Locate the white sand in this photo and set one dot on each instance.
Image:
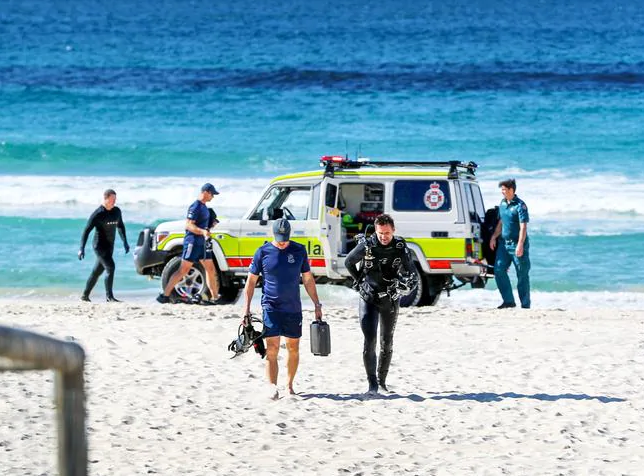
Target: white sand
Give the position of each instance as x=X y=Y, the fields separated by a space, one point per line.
x=476 y=391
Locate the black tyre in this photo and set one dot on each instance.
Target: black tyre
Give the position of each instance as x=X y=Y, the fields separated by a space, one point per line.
x=229 y=293
x=191 y=285
x=433 y=289
x=414 y=299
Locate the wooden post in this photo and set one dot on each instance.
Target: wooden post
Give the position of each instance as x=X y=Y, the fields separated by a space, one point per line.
x=72 y=439
x=30 y=351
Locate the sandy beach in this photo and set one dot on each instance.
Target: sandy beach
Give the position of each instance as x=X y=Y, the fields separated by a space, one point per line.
x=474 y=391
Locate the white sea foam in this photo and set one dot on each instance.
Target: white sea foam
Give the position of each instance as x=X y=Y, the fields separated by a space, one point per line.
x=560 y=202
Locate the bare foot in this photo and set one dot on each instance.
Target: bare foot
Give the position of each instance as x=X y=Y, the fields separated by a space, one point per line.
x=291 y=391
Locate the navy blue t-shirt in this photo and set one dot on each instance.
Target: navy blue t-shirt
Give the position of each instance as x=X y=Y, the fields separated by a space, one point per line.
x=200 y=214
x=281 y=270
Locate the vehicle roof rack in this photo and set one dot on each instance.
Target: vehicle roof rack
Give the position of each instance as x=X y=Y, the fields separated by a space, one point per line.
x=331 y=163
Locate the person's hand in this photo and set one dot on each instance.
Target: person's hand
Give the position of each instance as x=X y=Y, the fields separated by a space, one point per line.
x=81 y=254
x=206 y=233
x=246 y=318
x=318 y=312
x=127 y=248
x=519 y=250
x=492 y=243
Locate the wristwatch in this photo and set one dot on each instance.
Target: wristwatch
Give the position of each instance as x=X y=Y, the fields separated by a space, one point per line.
x=319 y=304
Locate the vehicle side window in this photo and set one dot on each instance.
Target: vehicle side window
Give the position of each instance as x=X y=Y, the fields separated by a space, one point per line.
x=478 y=201
x=422 y=196
x=331 y=193
x=283 y=202
x=470 y=203
x=296 y=204
x=315 y=202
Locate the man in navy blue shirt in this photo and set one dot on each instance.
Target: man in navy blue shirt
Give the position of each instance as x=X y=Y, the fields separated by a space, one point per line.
x=194 y=243
x=513 y=247
x=281 y=263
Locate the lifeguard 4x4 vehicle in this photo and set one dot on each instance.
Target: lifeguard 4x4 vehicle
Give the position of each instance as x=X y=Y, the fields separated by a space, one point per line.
x=437 y=207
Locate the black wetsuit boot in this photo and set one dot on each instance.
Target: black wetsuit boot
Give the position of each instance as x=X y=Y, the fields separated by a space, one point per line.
x=383 y=369
x=388 y=311
x=369 y=325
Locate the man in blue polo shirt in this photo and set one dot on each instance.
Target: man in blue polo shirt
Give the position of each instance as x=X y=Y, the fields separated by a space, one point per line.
x=194 y=244
x=281 y=263
x=512 y=247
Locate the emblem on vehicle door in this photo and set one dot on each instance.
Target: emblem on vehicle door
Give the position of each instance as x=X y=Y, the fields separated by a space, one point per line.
x=434 y=197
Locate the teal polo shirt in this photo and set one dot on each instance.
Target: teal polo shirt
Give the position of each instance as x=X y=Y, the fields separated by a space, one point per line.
x=512 y=213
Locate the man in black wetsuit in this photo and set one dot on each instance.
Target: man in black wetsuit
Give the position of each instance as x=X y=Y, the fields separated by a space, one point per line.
x=105 y=220
x=386 y=273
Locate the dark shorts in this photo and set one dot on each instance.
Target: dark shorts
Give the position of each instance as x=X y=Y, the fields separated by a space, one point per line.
x=193 y=252
x=278 y=323
x=209 y=254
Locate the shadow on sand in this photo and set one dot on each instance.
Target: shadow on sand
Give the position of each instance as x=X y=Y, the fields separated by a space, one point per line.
x=477 y=397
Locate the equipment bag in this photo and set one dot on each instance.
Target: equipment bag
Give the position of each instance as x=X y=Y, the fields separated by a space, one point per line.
x=320 y=338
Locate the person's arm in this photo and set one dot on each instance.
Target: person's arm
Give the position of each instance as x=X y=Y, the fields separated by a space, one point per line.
x=88 y=228
x=354 y=257
x=309 y=285
x=121 y=227
x=495 y=235
x=254 y=270
x=523 y=233
x=524 y=218
x=408 y=261
x=192 y=227
x=249 y=290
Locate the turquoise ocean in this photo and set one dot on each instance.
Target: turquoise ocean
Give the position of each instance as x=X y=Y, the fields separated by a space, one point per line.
x=154 y=98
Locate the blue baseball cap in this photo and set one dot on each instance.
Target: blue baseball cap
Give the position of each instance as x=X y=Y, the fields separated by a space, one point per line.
x=281 y=229
x=210 y=188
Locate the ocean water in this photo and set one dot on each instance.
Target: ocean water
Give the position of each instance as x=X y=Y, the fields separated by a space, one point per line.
x=154 y=98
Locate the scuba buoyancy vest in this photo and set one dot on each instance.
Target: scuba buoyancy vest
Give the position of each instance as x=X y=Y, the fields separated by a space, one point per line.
x=247 y=337
x=385 y=270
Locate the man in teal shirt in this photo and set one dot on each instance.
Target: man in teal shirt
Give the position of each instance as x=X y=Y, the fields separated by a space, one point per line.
x=512 y=247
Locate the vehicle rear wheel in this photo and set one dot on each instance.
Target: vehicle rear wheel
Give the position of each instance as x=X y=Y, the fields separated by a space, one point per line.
x=191 y=285
x=229 y=293
x=433 y=289
x=414 y=299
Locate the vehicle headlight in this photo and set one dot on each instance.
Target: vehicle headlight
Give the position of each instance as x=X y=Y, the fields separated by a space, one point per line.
x=160 y=236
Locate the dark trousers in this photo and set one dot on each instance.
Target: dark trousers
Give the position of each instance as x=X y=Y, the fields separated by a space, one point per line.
x=506 y=256
x=104 y=262
x=385 y=313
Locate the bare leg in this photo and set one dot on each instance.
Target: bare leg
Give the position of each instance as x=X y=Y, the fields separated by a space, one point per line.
x=176 y=277
x=212 y=281
x=293 y=347
x=272 y=349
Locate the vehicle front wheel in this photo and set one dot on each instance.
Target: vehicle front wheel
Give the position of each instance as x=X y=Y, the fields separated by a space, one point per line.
x=191 y=285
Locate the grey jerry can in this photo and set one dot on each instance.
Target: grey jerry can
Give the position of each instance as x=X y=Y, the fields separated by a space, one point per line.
x=320 y=338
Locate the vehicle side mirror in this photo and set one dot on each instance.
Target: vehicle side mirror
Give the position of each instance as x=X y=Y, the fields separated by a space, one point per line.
x=264 y=219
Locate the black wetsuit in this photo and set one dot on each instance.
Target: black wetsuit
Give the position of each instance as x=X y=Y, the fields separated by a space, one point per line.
x=387 y=263
x=105 y=222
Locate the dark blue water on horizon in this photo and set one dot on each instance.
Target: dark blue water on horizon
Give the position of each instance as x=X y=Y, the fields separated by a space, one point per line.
x=152 y=98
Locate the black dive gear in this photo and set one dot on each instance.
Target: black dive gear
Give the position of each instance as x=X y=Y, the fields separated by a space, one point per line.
x=247 y=336
x=104 y=222
x=387 y=272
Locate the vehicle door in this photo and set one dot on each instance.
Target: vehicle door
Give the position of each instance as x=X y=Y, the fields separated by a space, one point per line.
x=279 y=201
x=330 y=226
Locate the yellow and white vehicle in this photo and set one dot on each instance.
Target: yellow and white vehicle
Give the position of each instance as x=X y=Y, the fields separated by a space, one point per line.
x=437 y=207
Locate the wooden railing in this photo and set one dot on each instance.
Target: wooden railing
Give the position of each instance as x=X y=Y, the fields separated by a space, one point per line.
x=23 y=350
